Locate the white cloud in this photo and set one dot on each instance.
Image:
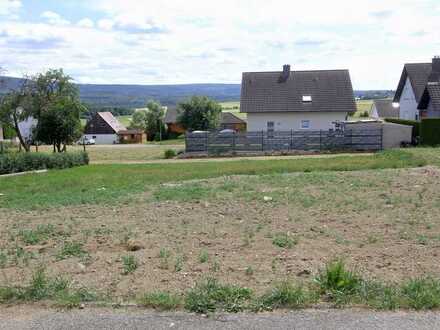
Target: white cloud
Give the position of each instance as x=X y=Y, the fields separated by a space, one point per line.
x=106 y=24
x=9 y=7
x=86 y=23
x=54 y=18
x=185 y=41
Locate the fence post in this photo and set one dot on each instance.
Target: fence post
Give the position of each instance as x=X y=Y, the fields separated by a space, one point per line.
x=207 y=142
x=351 y=139
x=381 y=137
x=291 y=139
x=233 y=142
x=320 y=139
x=262 y=140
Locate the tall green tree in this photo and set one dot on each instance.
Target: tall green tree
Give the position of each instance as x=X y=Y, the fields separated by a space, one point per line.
x=12 y=112
x=151 y=120
x=199 y=113
x=139 y=120
x=49 y=98
x=155 y=117
x=59 y=124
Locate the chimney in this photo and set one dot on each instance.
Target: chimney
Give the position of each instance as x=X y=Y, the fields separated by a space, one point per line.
x=435 y=73
x=285 y=74
x=436 y=64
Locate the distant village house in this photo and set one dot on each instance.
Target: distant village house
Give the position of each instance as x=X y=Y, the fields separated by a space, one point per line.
x=227 y=121
x=418 y=92
x=104 y=128
x=384 y=109
x=296 y=100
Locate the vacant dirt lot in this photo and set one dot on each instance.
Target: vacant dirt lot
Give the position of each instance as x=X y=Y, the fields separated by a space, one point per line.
x=384 y=223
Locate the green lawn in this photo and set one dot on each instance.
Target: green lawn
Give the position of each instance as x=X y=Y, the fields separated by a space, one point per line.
x=107 y=183
x=125 y=120
x=233 y=107
x=362 y=106
x=122 y=153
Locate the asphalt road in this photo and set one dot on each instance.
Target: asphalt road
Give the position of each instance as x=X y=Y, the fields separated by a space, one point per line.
x=25 y=318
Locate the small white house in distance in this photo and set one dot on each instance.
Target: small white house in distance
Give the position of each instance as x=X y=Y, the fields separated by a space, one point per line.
x=26 y=128
x=296 y=100
x=103 y=127
x=415 y=81
x=384 y=109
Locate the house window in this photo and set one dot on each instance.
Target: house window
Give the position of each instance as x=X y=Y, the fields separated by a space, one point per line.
x=305 y=124
x=270 y=128
x=307 y=98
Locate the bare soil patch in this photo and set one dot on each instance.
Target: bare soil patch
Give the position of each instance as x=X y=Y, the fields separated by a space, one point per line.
x=383 y=223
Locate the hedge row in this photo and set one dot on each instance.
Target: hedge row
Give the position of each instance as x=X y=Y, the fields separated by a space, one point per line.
x=31 y=161
x=414 y=123
x=430 y=131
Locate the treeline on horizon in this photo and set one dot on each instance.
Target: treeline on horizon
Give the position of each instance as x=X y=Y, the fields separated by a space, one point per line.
x=122 y=99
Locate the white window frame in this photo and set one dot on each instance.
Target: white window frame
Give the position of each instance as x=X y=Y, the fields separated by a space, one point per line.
x=303 y=122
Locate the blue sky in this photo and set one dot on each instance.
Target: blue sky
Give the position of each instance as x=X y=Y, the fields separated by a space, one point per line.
x=199 y=41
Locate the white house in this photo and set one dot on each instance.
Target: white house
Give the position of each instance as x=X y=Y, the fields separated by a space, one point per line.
x=414 y=82
x=296 y=100
x=26 y=128
x=103 y=127
x=384 y=109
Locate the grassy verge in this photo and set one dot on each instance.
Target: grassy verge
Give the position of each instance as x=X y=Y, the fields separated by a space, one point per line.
x=108 y=183
x=334 y=285
x=42 y=287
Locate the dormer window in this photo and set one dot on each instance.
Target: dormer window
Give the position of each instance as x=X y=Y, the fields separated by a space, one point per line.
x=307 y=98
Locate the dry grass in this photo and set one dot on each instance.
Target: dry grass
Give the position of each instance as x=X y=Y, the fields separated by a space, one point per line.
x=384 y=223
x=122 y=153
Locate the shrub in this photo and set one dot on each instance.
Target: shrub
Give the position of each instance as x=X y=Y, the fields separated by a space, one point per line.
x=38 y=235
x=71 y=249
x=414 y=123
x=364 y=114
x=42 y=287
x=336 y=279
x=160 y=301
x=209 y=295
x=422 y=293
x=30 y=161
x=130 y=264
x=284 y=241
x=169 y=153
x=429 y=131
x=203 y=256
x=285 y=295
x=378 y=295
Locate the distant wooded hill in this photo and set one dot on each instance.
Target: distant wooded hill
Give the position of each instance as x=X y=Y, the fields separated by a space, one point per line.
x=136 y=96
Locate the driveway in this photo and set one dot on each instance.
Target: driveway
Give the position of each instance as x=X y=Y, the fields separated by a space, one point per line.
x=29 y=318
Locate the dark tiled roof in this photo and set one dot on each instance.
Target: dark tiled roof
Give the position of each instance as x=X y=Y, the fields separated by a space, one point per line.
x=431 y=93
x=171 y=116
x=226 y=117
x=229 y=118
x=418 y=74
x=112 y=121
x=385 y=109
x=330 y=91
